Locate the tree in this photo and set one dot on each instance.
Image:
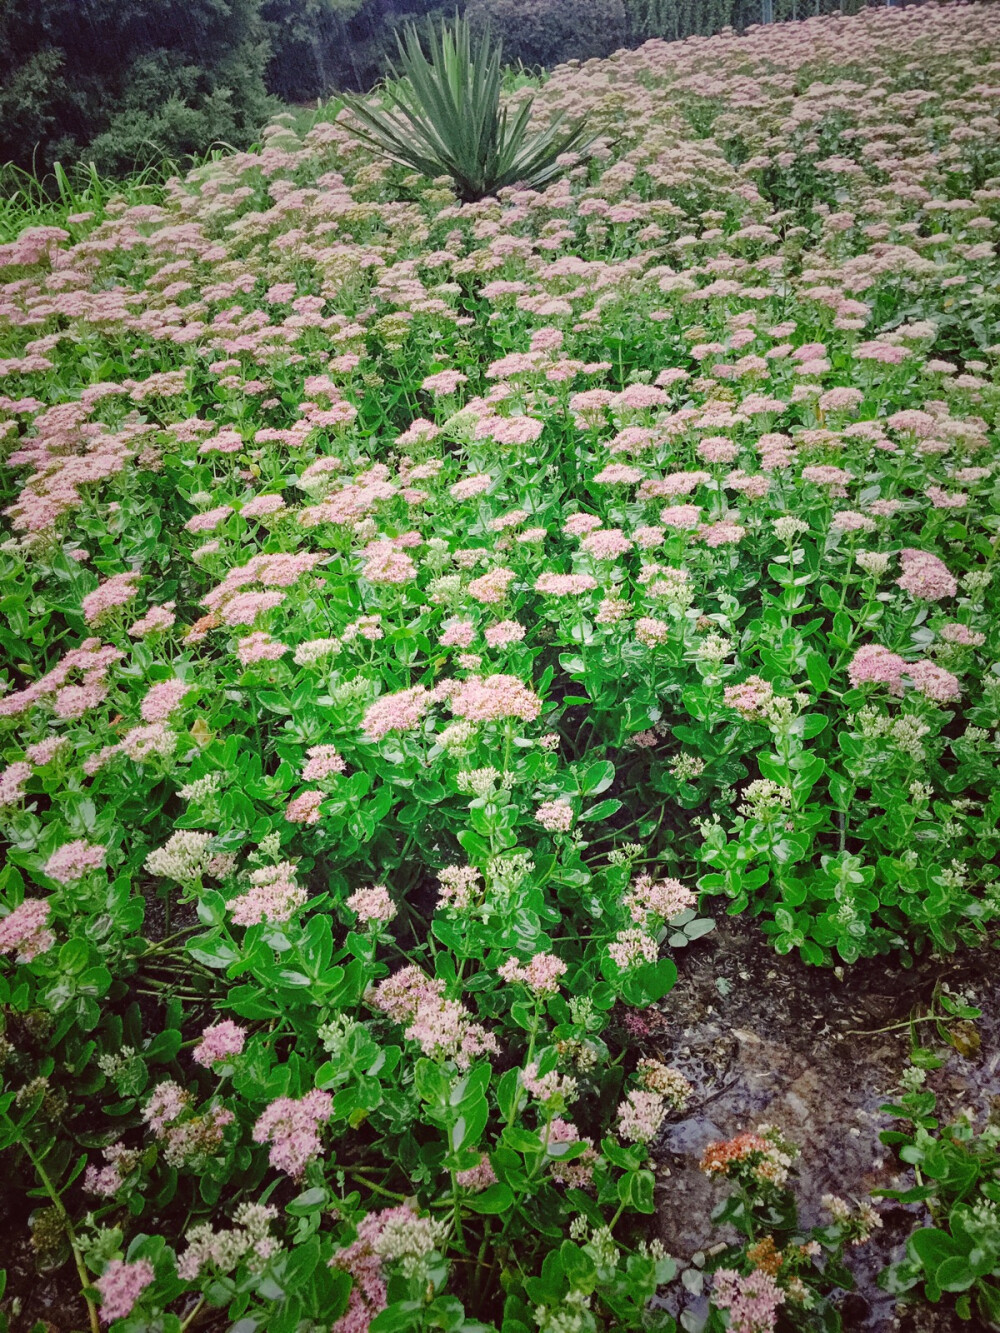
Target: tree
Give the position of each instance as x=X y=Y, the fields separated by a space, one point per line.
x=127 y=82
x=547 y=32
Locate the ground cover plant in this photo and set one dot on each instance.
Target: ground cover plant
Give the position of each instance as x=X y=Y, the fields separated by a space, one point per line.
x=420 y=617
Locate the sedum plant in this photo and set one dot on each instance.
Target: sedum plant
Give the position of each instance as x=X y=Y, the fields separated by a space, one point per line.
x=443 y=117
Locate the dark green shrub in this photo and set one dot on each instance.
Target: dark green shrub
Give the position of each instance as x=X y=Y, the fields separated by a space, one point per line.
x=547 y=32
x=128 y=82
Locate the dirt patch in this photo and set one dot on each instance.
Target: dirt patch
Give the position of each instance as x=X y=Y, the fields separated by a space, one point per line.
x=768 y=1039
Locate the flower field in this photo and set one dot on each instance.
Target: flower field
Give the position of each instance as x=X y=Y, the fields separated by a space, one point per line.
x=422 y=619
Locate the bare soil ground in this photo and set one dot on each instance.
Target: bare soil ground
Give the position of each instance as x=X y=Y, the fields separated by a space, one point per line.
x=768 y=1039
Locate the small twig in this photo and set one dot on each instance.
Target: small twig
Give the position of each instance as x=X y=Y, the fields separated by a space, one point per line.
x=893 y=1027
x=192 y=1316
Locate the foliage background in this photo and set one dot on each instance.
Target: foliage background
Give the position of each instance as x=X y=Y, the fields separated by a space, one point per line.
x=128 y=83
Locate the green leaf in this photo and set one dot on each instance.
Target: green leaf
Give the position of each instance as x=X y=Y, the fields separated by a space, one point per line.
x=602 y=810
x=497 y=1198
x=597 y=778
x=931 y=1247
x=818 y=670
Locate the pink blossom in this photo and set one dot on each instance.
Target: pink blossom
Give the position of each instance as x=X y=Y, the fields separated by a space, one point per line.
x=664 y=898
x=925 y=576
x=632 y=948
x=506 y=631
x=219 y=1042
x=274 y=896
x=751 y=698
x=640 y=1115
x=841 y=399
x=43 y=752
x=618 y=474
x=74 y=860
x=849 y=520
x=752 y=1301
x=651 y=632
x=113 y=592
x=875 y=665
x=477 y=1178
x=912 y=421
x=324 y=762
x=167 y=1103
x=565 y=585
x=933 y=682
x=156 y=620
x=942 y=499
x=490 y=698
x=556 y=816
x=396 y=712
x=445 y=381
x=304 y=808
x=681 y=516
x=717 y=451
x=516 y=430
x=962 y=635
x=721 y=534
x=262 y=506
x=579 y=1172
x=209 y=520
x=120 y=1286
x=578 y=525
x=291 y=1127
x=492 y=586
x=246 y=607
x=163 y=699
x=457 y=634
x=385 y=564
x=12 y=782
x=26 y=930
x=471 y=486
x=540 y=974
x=400 y=995
x=825 y=475
x=260 y=647
x=372 y=904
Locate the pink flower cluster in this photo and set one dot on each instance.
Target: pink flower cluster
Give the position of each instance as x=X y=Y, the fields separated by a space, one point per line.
x=323 y=762
x=221 y=1041
x=665 y=898
x=491 y=698
x=555 y=816
x=74 y=860
x=565 y=585
x=751 y=698
x=163 y=699
x=640 y=1115
x=396 y=712
x=540 y=974
x=752 y=1300
x=274 y=896
x=26 y=930
x=441 y=1027
x=13 y=780
x=372 y=904
x=291 y=1126
x=578 y=1172
x=304 y=808
x=925 y=576
x=121 y=1285
x=112 y=593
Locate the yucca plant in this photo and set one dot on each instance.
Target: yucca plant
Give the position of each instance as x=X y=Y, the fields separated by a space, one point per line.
x=442 y=116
